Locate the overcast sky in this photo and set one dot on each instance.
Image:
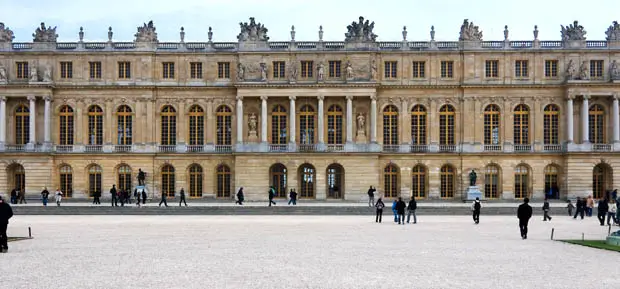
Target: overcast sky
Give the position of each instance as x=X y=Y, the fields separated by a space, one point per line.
x=24 y=16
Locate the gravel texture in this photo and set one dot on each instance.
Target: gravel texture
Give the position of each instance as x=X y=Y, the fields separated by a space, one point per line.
x=301 y=252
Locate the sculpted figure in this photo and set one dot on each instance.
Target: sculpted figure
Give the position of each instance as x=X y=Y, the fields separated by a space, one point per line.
x=584 y=73
x=252 y=122
x=373 y=69
x=349 y=70
x=34 y=76
x=293 y=71
x=321 y=70
x=263 y=72
x=472 y=178
x=47 y=74
x=570 y=70
x=3 y=77
x=361 y=122
x=240 y=72
x=614 y=72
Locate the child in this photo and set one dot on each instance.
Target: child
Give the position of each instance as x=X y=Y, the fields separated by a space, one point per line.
x=570 y=207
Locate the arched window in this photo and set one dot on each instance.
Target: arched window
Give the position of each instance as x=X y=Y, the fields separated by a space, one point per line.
x=223 y=181
x=124 y=178
x=390 y=125
x=596 y=122
x=418 y=177
x=491 y=182
x=446 y=125
x=18 y=174
x=95 y=125
x=447 y=182
x=195 y=181
x=335 y=181
x=278 y=125
x=551 y=125
x=65 y=126
x=223 y=123
x=196 y=126
x=418 y=125
x=521 y=125
x=167 y=180
x=334 y=125
x=94 y=180
x=522 y=180
x=277 y=175
x=391 y=185
x=306 y=124
x=601 y=180
x=168 y=126
x=66 y=181
x=307 y=181
x=491 y=125
x=124 y=125
x=22 y=125
x=552 y=188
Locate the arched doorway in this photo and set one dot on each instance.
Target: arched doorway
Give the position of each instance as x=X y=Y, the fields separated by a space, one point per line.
x=335 y=182
x=492 y=182
x=277 y=175
x=447 y=182
x=223 y=185
x=418 y=184
x=195 y=181
x=94 y=180
x=307 y=181
x=16 y=178
x=391 y=184
x=552 y=187
x=601 y=180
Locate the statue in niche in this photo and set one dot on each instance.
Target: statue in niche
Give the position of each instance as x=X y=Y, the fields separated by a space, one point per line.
x=584 y=73
x=614 y=72
x=293 y=72
x=373 y=69
x=240 y=72
x=3 y=76
x=349 y=70
x=361 y=123
x=321 y=71
x=34 y=75
x=472 y=178
x=571 y=70
x=263 y=72
x=47 y=74
x=252 y=123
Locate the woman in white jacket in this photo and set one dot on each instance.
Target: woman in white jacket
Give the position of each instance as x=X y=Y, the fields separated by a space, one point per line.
x=58 y=195
x=611 y=212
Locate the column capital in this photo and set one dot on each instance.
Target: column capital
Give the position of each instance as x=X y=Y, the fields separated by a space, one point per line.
x=264 y=98
x=320 y=97
x=31 y=98
x=615 y=96
x=47 y=98
x=587 y=96
x=373 y=97
x=349 y=97
x=3 y=98
x=292 y=97
x=570 y=97
x=239 y=98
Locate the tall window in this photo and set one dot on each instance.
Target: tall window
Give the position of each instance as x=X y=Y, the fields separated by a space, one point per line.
x=19 y=177
x=601 y=180
x=390 y=181
x=306 y=124
x=521 y=68
x=596 y=68
x=223 y=70
x=596 y=121
x=94 y=69
x=124 y=178
x=552 y=188
x=223 y=123
x=521 y=125
x=491 y=125
x=168 y=125
x=447 y=181
x=66 y=69
x=65 y=125
x=334 y=68
x=306 y=69
x=551 y=68
x=335 y=181
x=66 y=181
x=491 y=182
x=95 y=125
x=390 y=125
x=279 y=70
x=22 y=124
x=446 y=125
x=196 y=126
x=418 y=68
x=94 y=180
x=521 y=182
x=21 y=70
x=390 y=69
x=168 y=70
x=277 y=174
x=334 y=125
x=195 y=181
x=223 y=181
x=551 y=124
x=278 y=125
x=167 y=180
x=195 y=70
x=307 y=181
x=491 y=69
x=418 y=125
x=124 y=125
x=418 y=177
x=447 y=69
x=124 y=70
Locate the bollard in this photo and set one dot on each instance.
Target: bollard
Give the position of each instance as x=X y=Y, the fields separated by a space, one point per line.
x=582 y=237
x=29 y=233
x=609 y=231
x=552 y=230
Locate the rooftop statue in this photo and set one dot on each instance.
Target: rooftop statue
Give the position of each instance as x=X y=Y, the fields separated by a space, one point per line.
x=613 y=32
x=252 y=31
x=6 y=35
x=43 y=34
x=573 y=32
x=361 y=31
x=146 y=33
x=470 y=32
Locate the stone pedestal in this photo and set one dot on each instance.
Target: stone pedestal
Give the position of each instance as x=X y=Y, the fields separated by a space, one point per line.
x=473 y=192
x=361 y=137
x=253 y=136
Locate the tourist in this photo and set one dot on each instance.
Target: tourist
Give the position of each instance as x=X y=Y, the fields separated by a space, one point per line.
x=379 y=205
x=611 y=212
x=475 y=209
x=45 y=194
x=293 y=197
x=581 y=207
x=182 y=195
x=137 y=195
x=240 y=197
x=371 y=196
x=114 y=196
x=127 y=195
x=143 y=196
x=394 y=211
x=524 y=213
x=545 y=209
x=570 y=207
x=272 y=194
x=5 y=214
x=14 y=196
x=163 y=199
x=121 y=196
x=97 y=197
x=58 y=196
x=589 y=206
x=400 y=210
x=21 y=195
x=602 y=210
x=413 y=205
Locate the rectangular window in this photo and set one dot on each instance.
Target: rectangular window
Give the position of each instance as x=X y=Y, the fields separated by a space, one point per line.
x=521 y=68
x=279 y=70
x=22 y=70
x=334 y=69
x=124 y=70
x=66 y=69
x=223 y=70
x=306 y=69
x=596 y=68
x=447 y=69
x=390 y=69
x=168 y=70
x=551 y=68
x=490 y=69
x=95 y=69
x=195 y=70
x=418 y=69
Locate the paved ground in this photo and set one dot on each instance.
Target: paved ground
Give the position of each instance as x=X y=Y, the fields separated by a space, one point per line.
x=301 y=252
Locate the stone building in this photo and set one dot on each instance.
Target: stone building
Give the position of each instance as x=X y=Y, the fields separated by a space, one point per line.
x=327 y=118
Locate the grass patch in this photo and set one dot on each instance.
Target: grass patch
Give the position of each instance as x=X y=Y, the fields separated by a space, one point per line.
x=13 y=239
x=598 y=244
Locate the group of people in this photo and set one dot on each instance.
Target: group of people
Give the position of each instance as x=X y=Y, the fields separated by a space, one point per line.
x=398 y=209
x=271 y=194
x=608 y=208
x=45 y=194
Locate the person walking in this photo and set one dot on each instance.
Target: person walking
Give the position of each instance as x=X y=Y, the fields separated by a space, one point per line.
x=371 y=196
x=114 y=196
x=138 y=196
x=379 y=205
x=400 y=210
x=293 y=197
x=545 y=209
x=611 y=212
x=603 y=208
x=58 y=195
x=21 y=195
x=580 y=206
x=272 y=194
x=182 y=200
x=240 y=197
x=413 y=205
x=143 y=196
x=14 y=196
x=45 y=194
x=97 y=197
x=569 y=207
x=394 y=203
x=121 y=196
x=163 y=199
x=5 y=214
x=475 y=209
x=589 y=206
x=524 y=213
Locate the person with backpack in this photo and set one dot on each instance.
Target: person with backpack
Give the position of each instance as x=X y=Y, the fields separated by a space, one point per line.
x=379 y=205
x=240 y=197
x=603 y=208
x=97 y=197
x=45 y=196
x=524 y=213
x=371 y=196
x=400 y=210
x=545 y=209
x=114 y=196
x=580 y=206
x=293 y=197
x=272 y=194
x=475 y=209
x=413 y=205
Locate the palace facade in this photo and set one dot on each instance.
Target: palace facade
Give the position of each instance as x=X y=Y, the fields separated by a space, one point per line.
x=327 y=118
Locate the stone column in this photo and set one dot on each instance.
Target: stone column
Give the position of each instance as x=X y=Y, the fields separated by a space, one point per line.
x=2 y=121
x=48 y=121
x=210 y=126
x=263 y=119
x=33 y=115
x=569 y=119
x=292 y=116
x=373 y=118
x=239 y=119
x=405 y=122
x=321 y=133
x=349 y=119
x=616 y=118
x=585 y=132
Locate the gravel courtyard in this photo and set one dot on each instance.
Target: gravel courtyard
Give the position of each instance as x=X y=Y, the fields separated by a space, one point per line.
x=301 y=252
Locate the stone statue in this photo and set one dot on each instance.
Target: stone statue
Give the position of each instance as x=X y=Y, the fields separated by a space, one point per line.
x=34 y=75
x=263 y=72
x=321 y=70
x=141 y=177
x=6 y=35
x=584 y=73
x=360 y=31
x=470 y=32
x=613 y=32
x=614 y=72
x=240 y=72
x=43 y=34
x=472 y=178
x=146 y=33
x=571 y=72
x=293 y=71
x=349 y=70
x=3 y=76
x=252 y=31
x=252 y=123
x=47 y=73
x=573 y=32
x=373 y=69
x=361 y=122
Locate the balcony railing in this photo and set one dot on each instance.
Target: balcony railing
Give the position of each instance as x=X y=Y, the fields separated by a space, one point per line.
x=93 y=148
x=307 y=147
x=64 y=148
x=122 y=148
x=450 y=148
x=492 y=148
x=278 y=147
x=335 y=148
x=15 y=148
x=167 y=148
x=552 y=147
x=223 y=148
x=601 y=147
x=523 y=148
x=391 y=148
x=195 y=148
x=418 y=148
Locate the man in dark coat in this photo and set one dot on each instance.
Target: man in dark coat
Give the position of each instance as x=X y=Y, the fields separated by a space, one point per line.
x=371 y=196
x=163 y=199
x=5 y=214
x=293 y=197
x=603 y=207
x=182 y=196
x=272 y=194
x=580 y=205
x=524 y=213
x=413 y=205
x=45 y=194
x=240 y=197
x=400 y=210
x=114 y=197
x=14 y=196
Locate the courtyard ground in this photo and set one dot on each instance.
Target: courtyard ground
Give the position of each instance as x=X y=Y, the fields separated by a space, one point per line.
x=301 y=252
